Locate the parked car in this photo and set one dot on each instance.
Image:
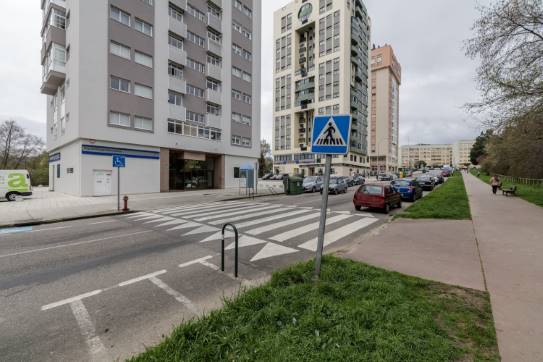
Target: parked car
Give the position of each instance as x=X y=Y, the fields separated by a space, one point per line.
x=14 y=183
x=379 y=196
x=350 y=181
x=267 y=176
x=426 y=182
x=439 y=179
x=359 y=180
x=384 y=177
x=312 y=183
x=446 y=173
x=279 y=176
x=408 y=188
x=337 y=185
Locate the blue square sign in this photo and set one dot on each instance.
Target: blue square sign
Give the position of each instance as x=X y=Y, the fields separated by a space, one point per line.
x=119 y=161
x=331 y=134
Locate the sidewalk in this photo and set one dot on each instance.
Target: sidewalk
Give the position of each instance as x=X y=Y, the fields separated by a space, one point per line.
x=45 y=206
x=510 y=235
x=507 y=233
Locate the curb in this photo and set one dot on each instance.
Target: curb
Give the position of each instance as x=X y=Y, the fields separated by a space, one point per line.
x=53 y=221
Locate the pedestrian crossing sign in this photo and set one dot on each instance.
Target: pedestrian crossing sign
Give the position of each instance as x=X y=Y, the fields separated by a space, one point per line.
x=331 y=134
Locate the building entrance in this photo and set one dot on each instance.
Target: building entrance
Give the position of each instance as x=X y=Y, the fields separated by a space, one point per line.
x=191 y=174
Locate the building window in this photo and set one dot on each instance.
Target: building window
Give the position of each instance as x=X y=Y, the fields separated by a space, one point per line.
x=247 y=98
x=241 y=141
x=175 y=13
x=286 y=23
x=143 y=123
x=282 y=128
x=283 y=90
x=198 y=40
x=237 y=95
x=118 y=15
x=247 y=77
x=242 y=30
x=213 y=85
x=119 y=119
x=175 y=70
x=216 y=37
x=195 y=91
x=283 y=53
x=214 y=109
x=197 y=66
x=143 y=91
x=119 y=50
x=236 y=172
x=196 y=13
x=329 y=34
x=58 y=170
x=148 y=2
x=214 y=60
x=241 y=119
x=192 y=130
x=119 y=84
x=175 y=98
x=329 y=79
x=325 y=5
x=57 y=18
x=143 y=59
x=175 y=41
x=243 y=8
x=195 y=117
x=143 y=27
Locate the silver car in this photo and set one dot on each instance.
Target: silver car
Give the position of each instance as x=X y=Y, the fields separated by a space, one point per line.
x=312 y=183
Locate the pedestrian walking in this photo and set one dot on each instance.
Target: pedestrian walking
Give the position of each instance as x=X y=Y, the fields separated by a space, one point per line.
x=495 y=183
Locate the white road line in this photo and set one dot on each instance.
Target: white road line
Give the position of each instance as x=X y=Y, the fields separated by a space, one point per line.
x=337 y=234
x=138 y=214
x=214 y=211
x=49 y=229
x=70 y=300
x=189 y=206
x=195 y=261
x=96 y=347
x=155 y=216
x=271 y=218
x=272 y=210
x=210 y=265
x=185 y=226
x=74 y=244
x=240 y=212
x=143 y=277
x=164 y=218
x=196 y=210
x=307 y=228
x=174 y=293
x=278 y=225
x=102 y=222
x=173 y=222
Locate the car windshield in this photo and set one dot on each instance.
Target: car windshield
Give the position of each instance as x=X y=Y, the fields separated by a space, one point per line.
x=310 y=179
x=402 y=183
x=372 y=190
x=424 y=178
x=333 y=181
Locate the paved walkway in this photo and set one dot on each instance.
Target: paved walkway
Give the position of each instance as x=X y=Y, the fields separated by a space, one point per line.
x=506 y=232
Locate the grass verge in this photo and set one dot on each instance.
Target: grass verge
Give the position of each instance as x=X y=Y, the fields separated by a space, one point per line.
x=533 y=194
x=449 y=201
x=354 y=313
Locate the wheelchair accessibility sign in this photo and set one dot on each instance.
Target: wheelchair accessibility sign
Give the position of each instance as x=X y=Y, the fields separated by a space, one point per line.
x=331 y=134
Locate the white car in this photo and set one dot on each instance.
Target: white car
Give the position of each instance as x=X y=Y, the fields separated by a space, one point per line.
x=15 y=183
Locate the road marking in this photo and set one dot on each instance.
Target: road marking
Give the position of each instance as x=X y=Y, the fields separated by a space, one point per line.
x=188 y=207
x=245 y=240
x=197 y=210
x=138 y=214
x=270 y=249
x=271 y=218
x=143 y=277
x=307 y=228
x=243 y=217
x=163 y=218
x=241 y=212
x=185 y=226
x=96 y=347
x=278 y=225
x=23 y=229
x=49 y=229
x=155 y=216
x=210 y=265
x=173 y=222
x=75 y=244
x=201 y=230
x=218 y=236
x=174 y=293
x=195 y=261
x=219 y=210
x=70 y=300
x=102 y=222
x=337 y=234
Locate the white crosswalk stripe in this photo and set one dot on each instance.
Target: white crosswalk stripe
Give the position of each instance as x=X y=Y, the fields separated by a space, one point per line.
x=233 y=213
x=207 y=211
x=307 y=228
x=252 y=215
x=197 y=207
x=270 y=218
x=278 y=225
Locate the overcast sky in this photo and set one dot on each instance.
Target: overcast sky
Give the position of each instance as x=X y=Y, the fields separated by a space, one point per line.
x=427 y=36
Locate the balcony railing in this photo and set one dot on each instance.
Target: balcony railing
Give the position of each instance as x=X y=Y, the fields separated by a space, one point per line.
x=214 y=22
x=54 y=69
x=178 y=84
x=213 y=71
x=178 y=27
x=213 y=96
x=178 y=55
x=214 y=47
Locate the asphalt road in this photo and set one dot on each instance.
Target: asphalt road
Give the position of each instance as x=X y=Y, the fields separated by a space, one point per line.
x=103 y=289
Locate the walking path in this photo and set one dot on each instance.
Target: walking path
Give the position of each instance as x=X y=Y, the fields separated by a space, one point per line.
x=501 y=250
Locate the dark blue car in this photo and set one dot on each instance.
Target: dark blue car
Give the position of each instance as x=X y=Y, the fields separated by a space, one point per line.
x=408 y=188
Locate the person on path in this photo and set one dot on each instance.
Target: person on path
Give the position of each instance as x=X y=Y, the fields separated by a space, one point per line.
x=495 y=183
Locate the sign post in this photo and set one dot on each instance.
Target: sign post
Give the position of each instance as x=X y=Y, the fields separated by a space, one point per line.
x=119 y=162
x=331 y=135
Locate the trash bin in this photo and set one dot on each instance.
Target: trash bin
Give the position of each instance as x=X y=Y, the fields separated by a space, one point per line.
x=294 y=185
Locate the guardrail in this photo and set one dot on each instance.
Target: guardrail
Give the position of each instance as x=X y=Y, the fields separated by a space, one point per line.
x=522 y=180
x=236 y=248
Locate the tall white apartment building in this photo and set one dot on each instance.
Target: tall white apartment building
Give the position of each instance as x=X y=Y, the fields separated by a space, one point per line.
x=321 y=66
x=172 y=85
x=461 y=153
x=435 y=155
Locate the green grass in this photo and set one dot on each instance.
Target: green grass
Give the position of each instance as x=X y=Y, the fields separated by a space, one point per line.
x=354 y=313
x=449 y=201
x=530 y=193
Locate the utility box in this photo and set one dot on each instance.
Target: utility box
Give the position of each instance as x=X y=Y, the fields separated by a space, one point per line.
x=293 y=185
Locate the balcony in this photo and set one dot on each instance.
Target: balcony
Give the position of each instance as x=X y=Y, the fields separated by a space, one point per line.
x=178 y=27
x=218 y=3
x=181 y=4
x=213 y=96
x=54 y=69
x=214 y=22
x=214 y=47
x=177 y=112
x=213 y=120
x=46 y=3
x=213 y=71
x=177 y=84
x=178 y=56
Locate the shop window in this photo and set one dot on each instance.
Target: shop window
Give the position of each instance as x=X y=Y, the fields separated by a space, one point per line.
x=236 y=172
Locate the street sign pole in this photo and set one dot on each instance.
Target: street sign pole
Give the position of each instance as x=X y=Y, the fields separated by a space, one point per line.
x=118 y=189
x=322 y=223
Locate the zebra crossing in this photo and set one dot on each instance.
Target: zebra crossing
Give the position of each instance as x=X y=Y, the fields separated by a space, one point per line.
x=277 y=229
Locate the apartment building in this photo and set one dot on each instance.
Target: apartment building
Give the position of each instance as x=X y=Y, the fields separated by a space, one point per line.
x=433 y=155
x=386 y=77
x=321 y=66
x=461 y=153
x=172 y=85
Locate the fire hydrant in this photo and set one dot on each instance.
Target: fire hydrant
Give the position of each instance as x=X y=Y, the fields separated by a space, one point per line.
x=125 y=199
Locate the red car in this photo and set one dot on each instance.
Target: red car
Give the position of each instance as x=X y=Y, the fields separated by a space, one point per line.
x=379 y=196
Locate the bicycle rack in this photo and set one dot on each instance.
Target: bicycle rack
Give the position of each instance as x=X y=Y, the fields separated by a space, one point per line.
x=236 y=247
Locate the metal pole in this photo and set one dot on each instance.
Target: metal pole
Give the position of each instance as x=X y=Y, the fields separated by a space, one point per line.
x=118 y=189
x=322 y=223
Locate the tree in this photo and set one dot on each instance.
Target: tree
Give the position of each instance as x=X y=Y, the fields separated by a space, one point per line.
x=508 y=42
x=16 y=146
x=420 y=164
x=478 y=151
x=265 y=161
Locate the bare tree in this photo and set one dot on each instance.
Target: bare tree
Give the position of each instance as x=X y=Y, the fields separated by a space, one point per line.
x=16 y=146
x=508 y=42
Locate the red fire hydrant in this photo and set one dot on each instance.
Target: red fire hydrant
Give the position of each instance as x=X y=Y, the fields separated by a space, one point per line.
x=125 y=199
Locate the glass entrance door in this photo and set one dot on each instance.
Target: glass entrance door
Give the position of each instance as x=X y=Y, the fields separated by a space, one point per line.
x=191 y=174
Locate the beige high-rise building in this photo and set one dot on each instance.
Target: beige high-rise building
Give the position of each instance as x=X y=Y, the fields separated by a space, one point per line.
x=461 y=153
x=321 y=67
x=432 y=155
x=386 y=77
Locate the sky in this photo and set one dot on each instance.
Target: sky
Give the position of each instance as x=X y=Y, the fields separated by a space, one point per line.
x=427 y=37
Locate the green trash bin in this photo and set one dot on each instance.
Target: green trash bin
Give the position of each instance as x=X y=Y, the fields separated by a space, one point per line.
x=295 y=185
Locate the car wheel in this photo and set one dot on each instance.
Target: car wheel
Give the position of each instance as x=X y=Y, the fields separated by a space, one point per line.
x=358 y=208
x=11 y=196
x=399 y=205
x=387 y=208
x=313 y=189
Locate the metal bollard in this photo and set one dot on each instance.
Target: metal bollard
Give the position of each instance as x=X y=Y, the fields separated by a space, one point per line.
x=125 y=199
x=236 y=249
